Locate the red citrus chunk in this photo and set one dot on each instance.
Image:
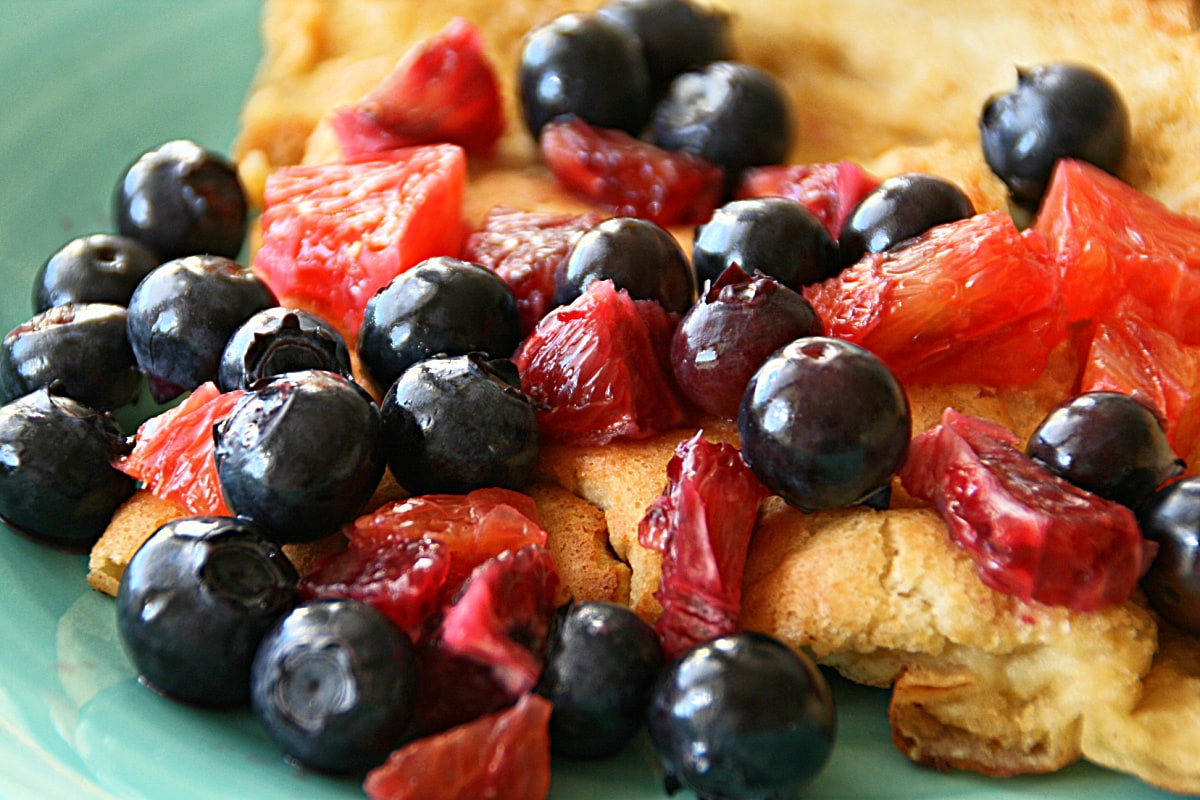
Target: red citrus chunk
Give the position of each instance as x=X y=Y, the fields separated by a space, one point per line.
x=599 y=370
x=702 y=523
x=973 y=301
x=503 y=756
x=527 y=249
x=173 y=452
x=443 y=90
x=830 y=190
x=1112 y=240
x=333 y=234
x=628 y=177
x=502 y=616
x=1031 y=534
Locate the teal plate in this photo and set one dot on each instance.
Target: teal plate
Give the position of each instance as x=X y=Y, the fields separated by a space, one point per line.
x=85 y=85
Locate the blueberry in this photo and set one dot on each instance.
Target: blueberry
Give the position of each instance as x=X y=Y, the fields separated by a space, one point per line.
x=676 y=35
x=1171 y=520
x=773 y=235
x=743 y=716
x=334 y=684
x=456 y=424
x=731 y=114
x=824 y=423
x=442 y=306
x=57 y=481
x=180 y=199
x=278 y=340
x=730 y=331
x=300 y=453
x=1107 y=443
x=901 y=208
x=194 y=602
x=84 y=347
x=601 y=663
x=587 y=66
x=98 y=268
x=636 y=255
x=1057 y=110
x=182 y=315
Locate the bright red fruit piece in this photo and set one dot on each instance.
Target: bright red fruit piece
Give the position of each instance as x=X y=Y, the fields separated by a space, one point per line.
x=830 y=190
x=443 y=90
x=502 y=617
x=173 y=452
x=599 y=368
x=526 y=249
x=1130 y=353
x=630 y=178
x=1031 y=534
x=973 y=301
x=1112 y=240
x=702 y=524
x=333 y=234
x=502 y=756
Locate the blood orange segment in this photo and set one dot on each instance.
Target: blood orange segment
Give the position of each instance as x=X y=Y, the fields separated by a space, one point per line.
x=702 y=523
x=830 y=190
x=1030 y=533
x=599 y=368
x=631 y=178
x=505 y=756
x=973 y=301
x=173 y=452
x=526 y=249
x=333 y=234
x=1112 y=240
x=443 y=90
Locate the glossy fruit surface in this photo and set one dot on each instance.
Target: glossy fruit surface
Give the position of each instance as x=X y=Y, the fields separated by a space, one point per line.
x=334 y=683
x=676 y=35
x=501 y=755
x=824 y=423
x=181 y=199
x=83 y=346
x=829 y=189
x=455 y=424
x=1172 y=583
x=974 y=301
x=442 y=306
x=1059 y=110
x=731 y=114
x=742 y=717
x=599 y=368
x=626 y=176
x=173 y=452
x=57 y=482
x=182 y=315
x=901 y=208
x=1112 y=241
x=601 y=661
x=587 y=66
x=278 y=340
x=526 y=249
x=194 y=602
x=638 y=256
x=1106 y=443
x=778 y=237
x=1058 y=544
x=443 y=90
x=333 y=234
x=701 y=523
x=730 y=331
x=300 y=453
x=96 y=268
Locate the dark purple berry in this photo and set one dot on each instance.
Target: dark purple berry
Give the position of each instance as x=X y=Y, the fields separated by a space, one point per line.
x=278 y=340
x=899 y=209
x=98 y=268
